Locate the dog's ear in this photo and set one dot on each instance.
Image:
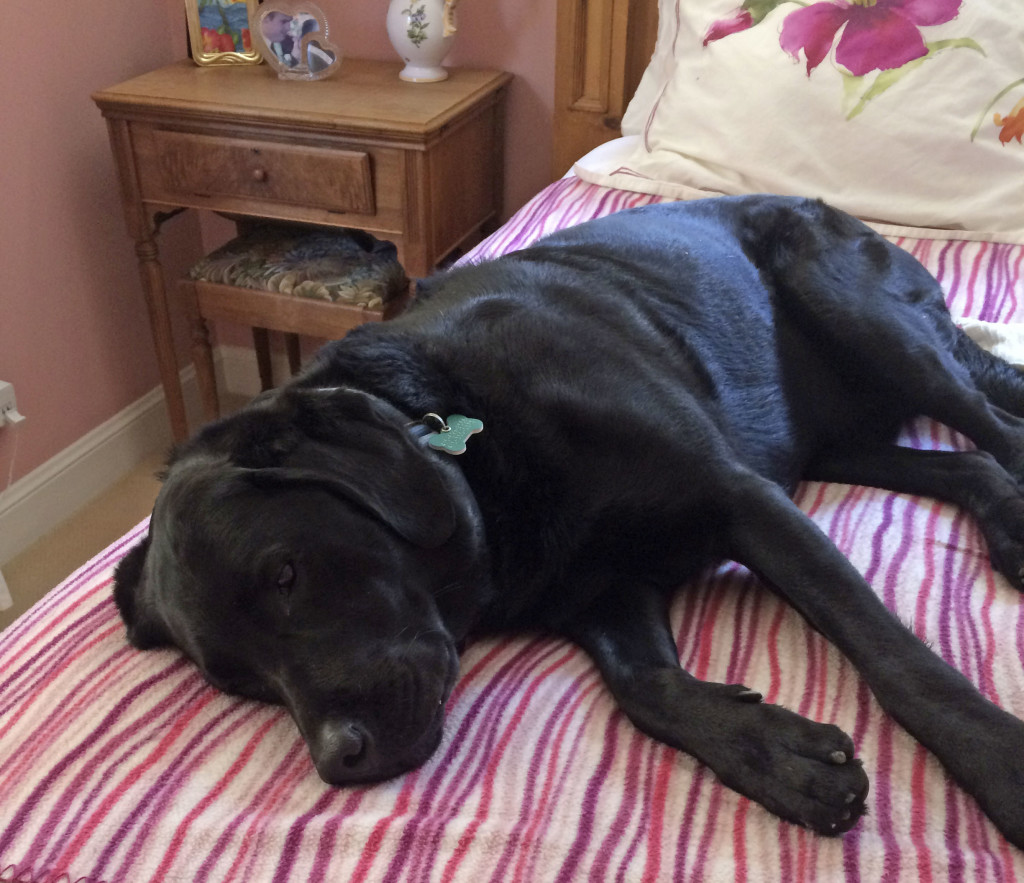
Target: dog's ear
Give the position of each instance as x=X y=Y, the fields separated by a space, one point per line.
x=130 y=595
x=257 y=436
x=357 y=447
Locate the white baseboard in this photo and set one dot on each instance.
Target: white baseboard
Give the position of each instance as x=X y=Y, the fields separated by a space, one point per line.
x=39 y=501
x=237 y=373
x=6 y=601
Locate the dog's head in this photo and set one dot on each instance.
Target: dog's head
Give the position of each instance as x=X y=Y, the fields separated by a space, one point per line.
x=306 y=551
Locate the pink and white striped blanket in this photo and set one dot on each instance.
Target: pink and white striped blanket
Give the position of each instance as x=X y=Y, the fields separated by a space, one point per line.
x=119 y=766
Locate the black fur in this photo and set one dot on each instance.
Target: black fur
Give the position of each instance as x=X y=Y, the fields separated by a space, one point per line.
x=652 y=385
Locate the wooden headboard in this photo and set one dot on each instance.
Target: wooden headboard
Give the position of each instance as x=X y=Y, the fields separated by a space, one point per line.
x=601 y=50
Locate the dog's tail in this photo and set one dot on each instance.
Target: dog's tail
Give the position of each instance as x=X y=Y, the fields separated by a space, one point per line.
x=1001 y=382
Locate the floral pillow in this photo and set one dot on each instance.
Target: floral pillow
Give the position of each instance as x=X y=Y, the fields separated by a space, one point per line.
x=902 y=112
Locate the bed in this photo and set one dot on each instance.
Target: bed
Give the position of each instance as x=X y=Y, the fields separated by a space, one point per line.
x=117 y=765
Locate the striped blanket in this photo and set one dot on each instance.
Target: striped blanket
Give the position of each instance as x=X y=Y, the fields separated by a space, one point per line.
x=118 y=766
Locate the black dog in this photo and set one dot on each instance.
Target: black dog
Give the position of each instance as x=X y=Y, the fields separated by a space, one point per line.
x=651 y=386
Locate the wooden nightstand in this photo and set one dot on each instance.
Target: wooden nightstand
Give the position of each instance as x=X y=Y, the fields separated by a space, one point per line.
x=418 y=164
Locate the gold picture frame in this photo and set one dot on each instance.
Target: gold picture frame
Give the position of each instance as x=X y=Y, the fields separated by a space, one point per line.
x=220 y=31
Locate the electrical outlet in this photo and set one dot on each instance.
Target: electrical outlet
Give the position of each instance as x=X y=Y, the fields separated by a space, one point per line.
x=8 y=406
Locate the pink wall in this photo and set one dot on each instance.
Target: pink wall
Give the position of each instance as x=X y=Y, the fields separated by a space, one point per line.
x=73 y=331
x=74 y=337
x=513 y=35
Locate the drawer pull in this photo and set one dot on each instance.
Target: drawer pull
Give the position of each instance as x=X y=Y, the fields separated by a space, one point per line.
x=259 y=175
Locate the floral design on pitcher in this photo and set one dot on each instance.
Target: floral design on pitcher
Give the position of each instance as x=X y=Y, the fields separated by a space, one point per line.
x=417 y=31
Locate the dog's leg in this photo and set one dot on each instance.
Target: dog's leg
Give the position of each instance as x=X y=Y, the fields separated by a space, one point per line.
x=941 y=393
x=908 y=360
x=978 y=743
x=901 y=354
x=999 y=380
x=972 y=480
x=800 y=770
x=874 y=310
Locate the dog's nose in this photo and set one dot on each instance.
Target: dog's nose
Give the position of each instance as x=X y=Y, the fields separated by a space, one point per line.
x=343 y=752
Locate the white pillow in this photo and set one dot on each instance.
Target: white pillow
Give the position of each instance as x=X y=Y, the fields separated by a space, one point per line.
x=934 y=141
x=656 y=75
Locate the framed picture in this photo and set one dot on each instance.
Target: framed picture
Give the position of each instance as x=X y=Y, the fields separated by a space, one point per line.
x=220 y=31
x=292 y=37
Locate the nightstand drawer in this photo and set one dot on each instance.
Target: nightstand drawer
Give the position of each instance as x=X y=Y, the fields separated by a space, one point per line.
x=193 y=165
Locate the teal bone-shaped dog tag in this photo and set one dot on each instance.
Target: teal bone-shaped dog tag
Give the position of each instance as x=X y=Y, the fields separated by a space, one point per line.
x=450 y=435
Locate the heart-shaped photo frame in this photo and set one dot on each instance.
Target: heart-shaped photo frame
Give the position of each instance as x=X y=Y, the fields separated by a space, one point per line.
x=293 y=39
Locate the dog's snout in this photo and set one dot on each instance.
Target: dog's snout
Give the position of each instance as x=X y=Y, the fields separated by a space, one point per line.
x=350 y=743
x=344 y=752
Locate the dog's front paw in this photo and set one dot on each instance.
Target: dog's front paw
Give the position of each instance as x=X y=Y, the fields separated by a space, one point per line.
x=802 y=771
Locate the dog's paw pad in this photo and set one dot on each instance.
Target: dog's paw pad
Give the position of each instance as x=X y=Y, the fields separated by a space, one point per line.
x=801 y=770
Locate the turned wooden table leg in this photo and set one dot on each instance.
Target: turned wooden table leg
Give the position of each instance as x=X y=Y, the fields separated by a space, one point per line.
x=264 y=364
x=202 y=350
x=163 y=337
x=294 y=350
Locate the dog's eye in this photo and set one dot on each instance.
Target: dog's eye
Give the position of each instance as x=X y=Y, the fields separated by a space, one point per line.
x=286 y=580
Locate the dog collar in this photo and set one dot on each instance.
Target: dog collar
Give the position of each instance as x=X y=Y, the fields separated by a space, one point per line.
x=449 y=435
x=431 y=430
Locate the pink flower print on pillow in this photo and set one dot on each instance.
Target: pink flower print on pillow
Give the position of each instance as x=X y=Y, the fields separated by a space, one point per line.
x=738 y=20
x=876 y=34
